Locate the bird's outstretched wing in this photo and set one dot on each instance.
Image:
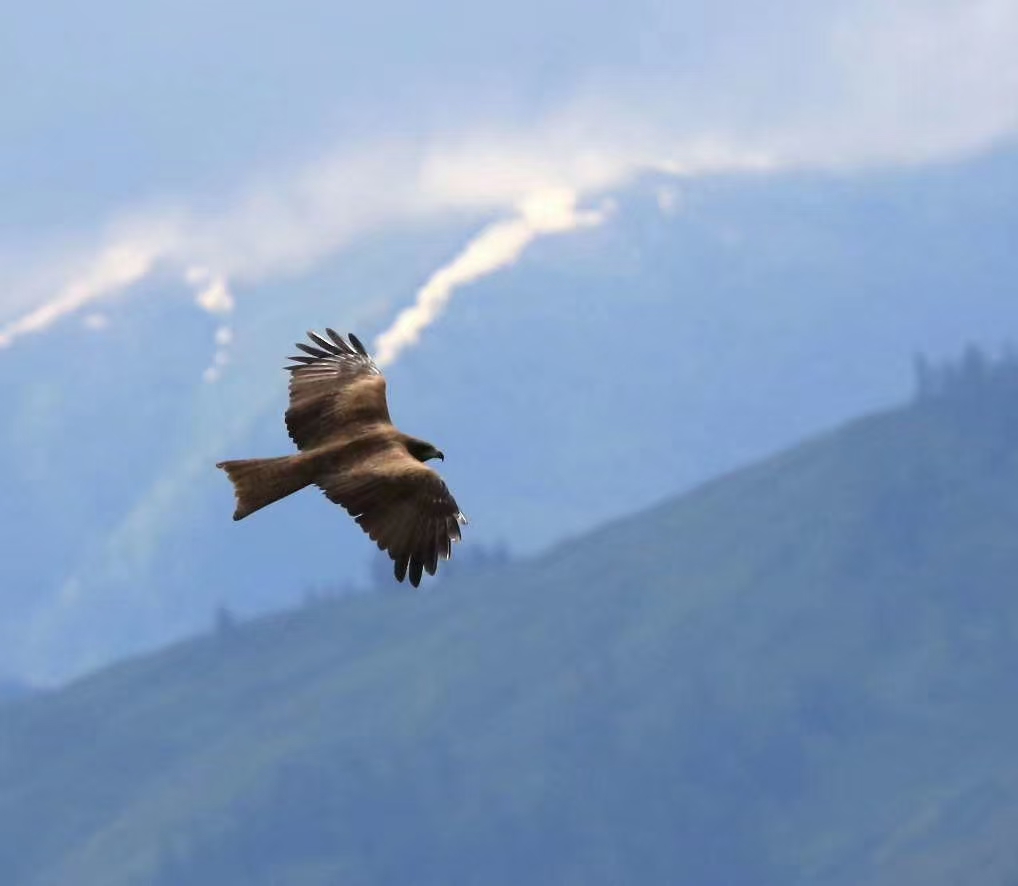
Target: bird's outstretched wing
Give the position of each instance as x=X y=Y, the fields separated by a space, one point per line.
x=404 y=506
x=334 y=385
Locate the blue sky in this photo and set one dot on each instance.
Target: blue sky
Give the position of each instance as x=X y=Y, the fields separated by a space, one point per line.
x=229 y=144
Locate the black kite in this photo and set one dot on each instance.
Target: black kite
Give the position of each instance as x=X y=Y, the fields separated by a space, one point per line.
x=349 y=448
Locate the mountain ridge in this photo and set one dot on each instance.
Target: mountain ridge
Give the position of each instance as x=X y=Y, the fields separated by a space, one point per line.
x=602 y=371
x=792 y=674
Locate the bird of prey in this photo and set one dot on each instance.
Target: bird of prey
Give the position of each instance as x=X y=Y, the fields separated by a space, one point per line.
x=350 y=449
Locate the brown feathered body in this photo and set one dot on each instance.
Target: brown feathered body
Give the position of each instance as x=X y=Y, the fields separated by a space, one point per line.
x=349 y=448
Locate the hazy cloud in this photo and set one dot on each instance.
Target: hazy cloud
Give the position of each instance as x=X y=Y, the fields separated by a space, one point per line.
x=96 y=322
x=221 y=357
x=213 y=294
x=496 y=246
x=114 y=268
x=729 y=88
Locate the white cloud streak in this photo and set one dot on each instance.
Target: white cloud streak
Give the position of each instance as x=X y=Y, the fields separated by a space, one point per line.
x=865 y=83
x=118 y=266
x=213 y=294
x=498 y=245
x=220 y=359
x=214 y=297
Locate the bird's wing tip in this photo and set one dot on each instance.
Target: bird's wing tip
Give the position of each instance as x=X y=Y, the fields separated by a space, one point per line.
x=356 y=342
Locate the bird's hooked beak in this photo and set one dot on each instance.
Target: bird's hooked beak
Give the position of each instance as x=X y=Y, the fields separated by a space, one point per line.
x=439 y=454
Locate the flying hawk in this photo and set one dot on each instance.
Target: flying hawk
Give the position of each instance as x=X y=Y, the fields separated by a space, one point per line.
x=351 y=450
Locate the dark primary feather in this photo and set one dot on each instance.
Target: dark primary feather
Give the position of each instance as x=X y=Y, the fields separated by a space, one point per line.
x=314 y=352
x=357 y=344
x=333 y=388
x=354 y=359
x=336 y=346
x=404 y=506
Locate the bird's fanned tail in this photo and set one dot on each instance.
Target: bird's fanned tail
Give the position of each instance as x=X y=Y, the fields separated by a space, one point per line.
x=258 y=482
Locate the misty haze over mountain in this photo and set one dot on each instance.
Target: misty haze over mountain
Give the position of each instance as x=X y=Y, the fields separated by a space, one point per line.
x=605 y=370
x=651 y=243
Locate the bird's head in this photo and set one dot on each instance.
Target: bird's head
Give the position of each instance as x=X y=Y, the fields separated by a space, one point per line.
x=422 y=450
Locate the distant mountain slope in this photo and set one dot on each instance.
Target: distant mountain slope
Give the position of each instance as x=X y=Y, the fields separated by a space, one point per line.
x=11 y=690
x=802 y=673
x=603 y=372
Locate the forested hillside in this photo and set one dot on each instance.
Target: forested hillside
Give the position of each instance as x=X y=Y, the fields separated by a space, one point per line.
x=800 y=673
